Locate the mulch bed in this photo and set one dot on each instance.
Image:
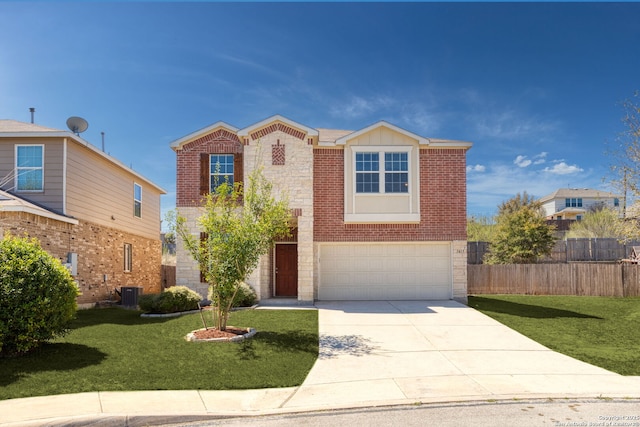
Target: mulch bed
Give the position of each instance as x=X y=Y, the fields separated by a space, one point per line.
x=210 y=333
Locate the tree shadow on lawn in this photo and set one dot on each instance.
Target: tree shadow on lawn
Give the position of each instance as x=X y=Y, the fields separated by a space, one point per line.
x=114 y=316
x=49 y=357
x=524 y=310
x=292 y=340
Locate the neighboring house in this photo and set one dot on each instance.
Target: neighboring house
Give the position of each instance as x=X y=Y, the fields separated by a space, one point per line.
x=573 y=203
x=379 y=213
x=86 y=208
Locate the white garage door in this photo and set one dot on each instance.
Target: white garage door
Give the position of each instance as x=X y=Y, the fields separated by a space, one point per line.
x=389 y=271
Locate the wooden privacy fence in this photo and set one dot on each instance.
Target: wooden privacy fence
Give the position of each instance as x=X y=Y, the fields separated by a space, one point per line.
x=168 y=273
x=568 y=250
x=616 y=280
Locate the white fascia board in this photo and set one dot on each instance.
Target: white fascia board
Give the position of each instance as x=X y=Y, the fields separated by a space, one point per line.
x=421 y=140
x=39 y=212
x=246 y=131
x=175 y=145
x=444 y=143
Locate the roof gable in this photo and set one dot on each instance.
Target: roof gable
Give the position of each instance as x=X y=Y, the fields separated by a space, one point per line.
x=420 y=139
x=277 y=123
x=221 y=127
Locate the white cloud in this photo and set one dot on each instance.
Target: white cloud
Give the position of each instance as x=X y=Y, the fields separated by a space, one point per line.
x=358 y=106
x=476 y=168
x=540 y=158
x=522 y=161
x=563 y=169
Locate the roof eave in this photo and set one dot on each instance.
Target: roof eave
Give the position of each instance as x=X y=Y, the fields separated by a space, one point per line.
x=247 y=130
x=178 y=143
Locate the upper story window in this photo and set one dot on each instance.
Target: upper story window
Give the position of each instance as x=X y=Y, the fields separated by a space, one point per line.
x=573 y=202
x=29 y=167
x=137 y=200
x=367 y=173
x=220 y=170
x=391 y=173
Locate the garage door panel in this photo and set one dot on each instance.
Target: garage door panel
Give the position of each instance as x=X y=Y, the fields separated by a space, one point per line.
x=385 y=271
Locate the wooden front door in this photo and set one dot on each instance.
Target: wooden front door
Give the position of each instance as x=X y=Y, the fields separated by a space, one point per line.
x=286 y=270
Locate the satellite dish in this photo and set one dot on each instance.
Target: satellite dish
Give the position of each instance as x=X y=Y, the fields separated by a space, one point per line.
x=77 y=125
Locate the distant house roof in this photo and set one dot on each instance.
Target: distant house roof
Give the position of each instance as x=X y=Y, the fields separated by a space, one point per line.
x=12 y=203
x=16 y=129
x=563 y=193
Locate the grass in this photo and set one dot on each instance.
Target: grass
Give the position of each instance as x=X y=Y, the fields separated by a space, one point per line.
x=115 y=349
x=601 y=331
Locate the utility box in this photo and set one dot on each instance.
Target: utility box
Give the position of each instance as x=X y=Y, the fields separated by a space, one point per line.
x=129 y=295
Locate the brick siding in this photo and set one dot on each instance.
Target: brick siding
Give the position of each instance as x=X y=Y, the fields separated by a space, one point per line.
x=442 y=199
x=188 y=163
x=100 y=251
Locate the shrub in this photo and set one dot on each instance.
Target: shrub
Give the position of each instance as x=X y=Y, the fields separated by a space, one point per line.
x=171 y=300
x=246 y=296
x=37 y=296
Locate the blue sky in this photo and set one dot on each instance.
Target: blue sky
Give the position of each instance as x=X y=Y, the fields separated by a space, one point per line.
x=535 y=86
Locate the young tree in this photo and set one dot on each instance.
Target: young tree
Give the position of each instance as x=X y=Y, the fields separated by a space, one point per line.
x=521 y=233
x=625 y=152
x=240 y=224
x=604 y=223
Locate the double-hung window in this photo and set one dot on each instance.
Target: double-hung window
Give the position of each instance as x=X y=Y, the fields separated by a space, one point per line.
x=382 y=172
x=396 y=176
x=220 y=170
x=29 y=168
x=367 y=172
x=137 y=200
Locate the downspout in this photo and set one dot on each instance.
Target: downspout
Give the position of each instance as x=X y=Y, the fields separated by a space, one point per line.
x=64 y=176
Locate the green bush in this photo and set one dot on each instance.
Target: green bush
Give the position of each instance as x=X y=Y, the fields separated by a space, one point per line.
x=172 y=300
x=246 y=296
x=37 y=296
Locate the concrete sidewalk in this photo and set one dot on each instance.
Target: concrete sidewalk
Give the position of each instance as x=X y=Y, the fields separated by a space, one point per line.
x=371 y=353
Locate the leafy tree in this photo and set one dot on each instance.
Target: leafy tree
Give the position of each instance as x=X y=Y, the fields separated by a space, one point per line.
x=521 y=233
x=37 y=296
x=625 y=151
x=604 y=223
x=480 y=229
x=518 y=202
x=240 y=224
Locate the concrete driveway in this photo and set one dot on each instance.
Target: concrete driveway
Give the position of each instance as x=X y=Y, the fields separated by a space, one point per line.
x=371 y=354
x=398 y=351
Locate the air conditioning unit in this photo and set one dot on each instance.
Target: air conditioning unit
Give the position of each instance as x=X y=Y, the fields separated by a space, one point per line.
x=130 y=296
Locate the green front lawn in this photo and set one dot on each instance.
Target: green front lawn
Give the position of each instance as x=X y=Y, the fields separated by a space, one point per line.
x=115 y=349
x=601 y=331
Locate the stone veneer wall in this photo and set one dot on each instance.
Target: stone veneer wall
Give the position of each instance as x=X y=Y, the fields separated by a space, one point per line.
x=459 y=261
x=187 y=270
x=294 y=178
x=100 y=251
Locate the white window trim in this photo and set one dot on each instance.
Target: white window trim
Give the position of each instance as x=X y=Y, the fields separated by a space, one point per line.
x=15 y=162
x=222 y=176
x=128 y=257
x=135 y=184
x=381 y=150
x=412 y=193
